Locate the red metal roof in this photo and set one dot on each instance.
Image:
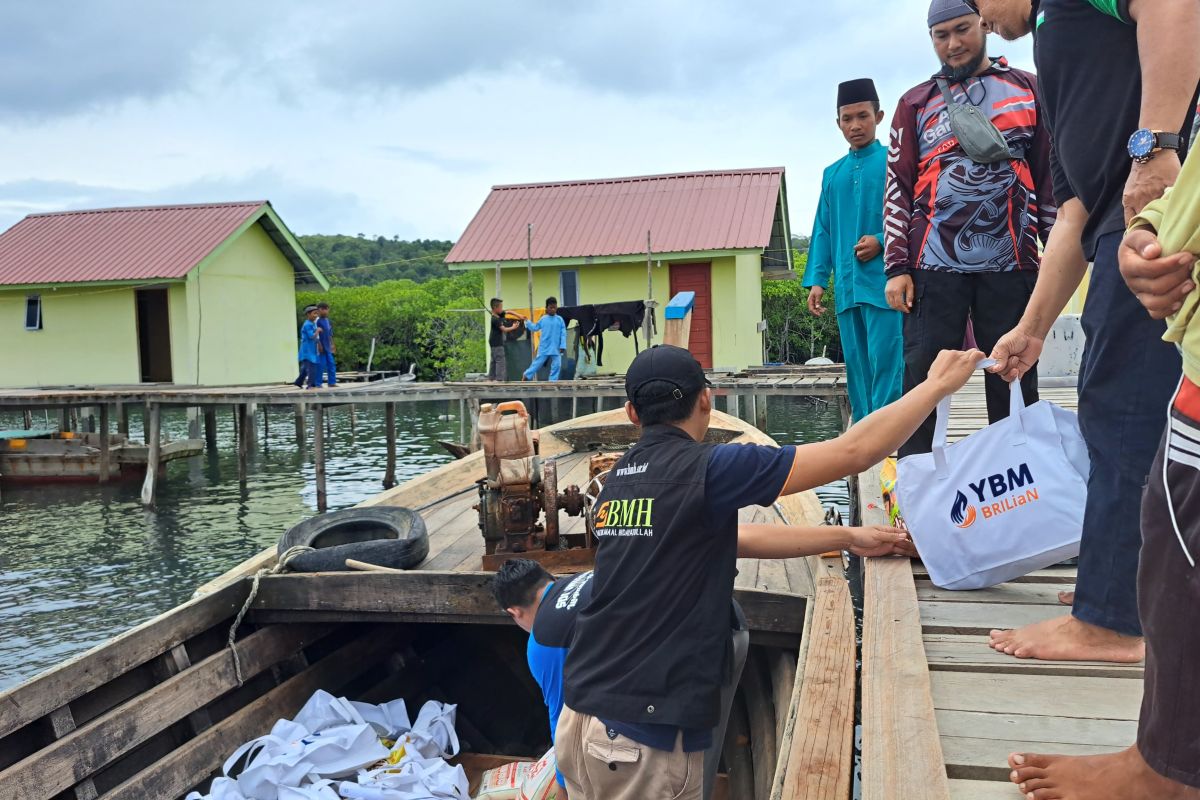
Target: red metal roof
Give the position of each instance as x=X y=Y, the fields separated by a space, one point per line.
x=117 y=244
x=684 y=213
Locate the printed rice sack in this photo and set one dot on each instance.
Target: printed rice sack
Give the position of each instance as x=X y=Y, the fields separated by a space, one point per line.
x=521 y=780
x=541 y=781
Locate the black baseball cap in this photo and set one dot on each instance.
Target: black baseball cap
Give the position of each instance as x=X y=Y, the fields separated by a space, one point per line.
x=661 y=372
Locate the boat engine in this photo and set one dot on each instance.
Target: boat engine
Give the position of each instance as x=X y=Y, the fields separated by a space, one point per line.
x=519 y=497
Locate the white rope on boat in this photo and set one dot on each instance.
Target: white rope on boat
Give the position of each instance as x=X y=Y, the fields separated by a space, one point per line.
x=280 y=565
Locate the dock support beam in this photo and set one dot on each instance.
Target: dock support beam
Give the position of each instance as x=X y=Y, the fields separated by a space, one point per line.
x=244 y=434
x=193 y=419
x=28 y=415
x=300 y=425
x=389 y=414
x=250 y=423
x=760 y=418
x=462 y=421
x=473 y=406
x=123 y=419
x=319 y=454
x=210 y=429
x=64 y=424
x=152 y=442
x=104 y=451
x=752 y=409
x=732 y=405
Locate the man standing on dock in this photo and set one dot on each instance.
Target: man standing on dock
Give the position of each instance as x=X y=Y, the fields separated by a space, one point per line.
x=498 y=369
x=847 y=243
x=1120 y=111
x=310 y=354
x=327 y=366
x=553 y=343
x=962 y=221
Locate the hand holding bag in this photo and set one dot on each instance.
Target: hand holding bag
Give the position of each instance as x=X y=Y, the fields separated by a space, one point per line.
x=1002 y=502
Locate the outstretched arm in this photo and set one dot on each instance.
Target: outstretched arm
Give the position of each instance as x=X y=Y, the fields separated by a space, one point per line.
x=879 y=435
x=795 y=541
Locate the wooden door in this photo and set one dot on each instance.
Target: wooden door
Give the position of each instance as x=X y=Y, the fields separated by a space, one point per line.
x=697 y=278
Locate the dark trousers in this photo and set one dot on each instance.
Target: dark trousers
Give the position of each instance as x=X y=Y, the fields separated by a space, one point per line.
x=1125 y=383
x=1169 y=594
x=942 y=303
x=498 y=371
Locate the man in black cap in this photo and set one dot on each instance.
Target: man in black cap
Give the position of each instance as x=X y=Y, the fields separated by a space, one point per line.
x=847 y=244
x=643 y=677
x=968 y=197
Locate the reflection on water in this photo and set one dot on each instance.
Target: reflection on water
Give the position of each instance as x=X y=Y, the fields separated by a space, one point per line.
x=80 y=563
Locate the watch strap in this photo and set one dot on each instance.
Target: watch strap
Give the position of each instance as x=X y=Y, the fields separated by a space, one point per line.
x=1168 y=141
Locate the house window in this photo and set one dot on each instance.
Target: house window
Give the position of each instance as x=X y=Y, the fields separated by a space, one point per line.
x=568 y=287
x=33 y=312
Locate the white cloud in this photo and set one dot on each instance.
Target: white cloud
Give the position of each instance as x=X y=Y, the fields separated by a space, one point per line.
x=396 y=118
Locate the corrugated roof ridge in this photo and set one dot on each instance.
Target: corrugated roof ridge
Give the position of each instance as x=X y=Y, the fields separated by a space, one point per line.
x=638 y=178
x=166 y=207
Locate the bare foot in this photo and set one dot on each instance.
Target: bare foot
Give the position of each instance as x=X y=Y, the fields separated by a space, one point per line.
x=1116 y=776
x=1068 y=639
x=1066 y=598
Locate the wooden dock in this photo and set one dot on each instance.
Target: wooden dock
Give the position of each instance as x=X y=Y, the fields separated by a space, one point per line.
x=744 y=395
x=942 y=711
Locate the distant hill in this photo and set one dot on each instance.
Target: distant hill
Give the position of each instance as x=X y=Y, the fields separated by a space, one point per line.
x=359 y=261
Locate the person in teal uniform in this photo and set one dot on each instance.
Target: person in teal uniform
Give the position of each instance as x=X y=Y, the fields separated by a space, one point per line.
x=847 y=243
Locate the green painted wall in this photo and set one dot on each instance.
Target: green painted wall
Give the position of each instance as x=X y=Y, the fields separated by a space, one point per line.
x=737 y=302
x=243 y=305
x=244 y=298
x=88 y=336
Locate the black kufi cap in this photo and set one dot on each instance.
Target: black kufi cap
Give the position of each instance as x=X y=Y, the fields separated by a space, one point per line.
x=860 y=90
x=661 y=372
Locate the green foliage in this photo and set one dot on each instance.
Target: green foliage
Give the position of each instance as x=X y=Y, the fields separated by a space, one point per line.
x=359 y=261
x=793 y=334
x=438 y=325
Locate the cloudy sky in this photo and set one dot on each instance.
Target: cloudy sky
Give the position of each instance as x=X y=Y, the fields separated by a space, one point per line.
x=394 y=118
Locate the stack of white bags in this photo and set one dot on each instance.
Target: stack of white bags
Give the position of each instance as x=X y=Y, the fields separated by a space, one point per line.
x=333 y=750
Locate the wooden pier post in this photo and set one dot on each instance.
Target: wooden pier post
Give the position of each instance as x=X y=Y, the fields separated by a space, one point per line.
x=104 y=451
x=732 y=405
x=752 y=408
x=473 y=406
x=64 y=423
x=266 y=425
x=389 y=414
x=193 y=420
x=210 y=429
x=91 y=419
x=300 y=433
x=462 y=420
x=251 y=424
x=760 y=419
x=28 y=415
x=574 y=407
x=152 y=442
x=244 y=434
x=123 y=419
x=319 y=454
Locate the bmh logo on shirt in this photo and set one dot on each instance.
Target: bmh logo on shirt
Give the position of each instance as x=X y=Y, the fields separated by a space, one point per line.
x=997 y=494
x=633 y=517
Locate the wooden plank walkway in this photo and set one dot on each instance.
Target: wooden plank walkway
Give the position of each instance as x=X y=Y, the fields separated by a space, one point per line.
x=962 y=706
x=801 y=381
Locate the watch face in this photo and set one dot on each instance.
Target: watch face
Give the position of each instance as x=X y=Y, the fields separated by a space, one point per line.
x=1142 y=143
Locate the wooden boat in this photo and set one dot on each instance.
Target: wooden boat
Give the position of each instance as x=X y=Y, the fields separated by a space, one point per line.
x=154 y=712
x=51 y=456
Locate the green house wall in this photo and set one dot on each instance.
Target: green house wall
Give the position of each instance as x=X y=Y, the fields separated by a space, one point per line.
x=232 y=321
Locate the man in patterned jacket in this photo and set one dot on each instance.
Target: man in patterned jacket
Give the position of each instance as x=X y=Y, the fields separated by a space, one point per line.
x=961 y=236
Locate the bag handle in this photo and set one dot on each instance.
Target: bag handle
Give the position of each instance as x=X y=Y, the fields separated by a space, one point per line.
x=1016 y=404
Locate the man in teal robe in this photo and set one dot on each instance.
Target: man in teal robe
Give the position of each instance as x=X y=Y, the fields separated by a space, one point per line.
x=847 y=243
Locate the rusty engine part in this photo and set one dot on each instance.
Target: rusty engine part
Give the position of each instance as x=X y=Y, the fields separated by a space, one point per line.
x=519 y=498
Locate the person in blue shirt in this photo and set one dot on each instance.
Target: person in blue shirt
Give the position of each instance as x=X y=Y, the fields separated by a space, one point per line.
x=310 y=351
x=847 y=243
x=325 y=329
x=553 y=344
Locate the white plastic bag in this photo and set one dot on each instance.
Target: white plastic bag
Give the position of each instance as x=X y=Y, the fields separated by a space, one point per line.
x=433 y=733
x=1001 y=503
x=414 y=778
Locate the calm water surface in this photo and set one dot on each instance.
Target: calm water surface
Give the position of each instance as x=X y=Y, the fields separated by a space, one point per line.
x=80 y=563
